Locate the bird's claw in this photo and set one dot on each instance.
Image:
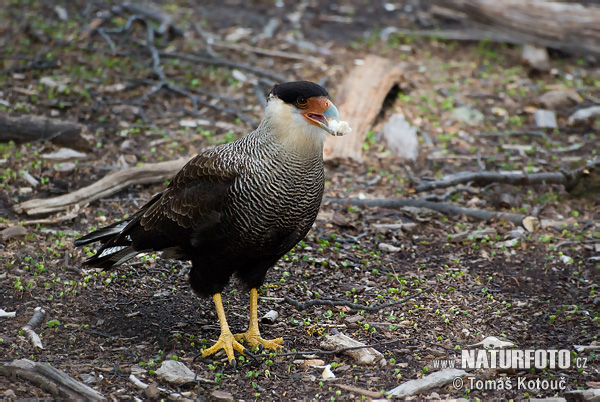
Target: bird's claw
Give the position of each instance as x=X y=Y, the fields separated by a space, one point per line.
x=254 y=340
x=228 y=343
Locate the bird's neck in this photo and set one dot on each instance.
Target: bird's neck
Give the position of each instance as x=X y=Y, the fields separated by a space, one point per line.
x=294 y=135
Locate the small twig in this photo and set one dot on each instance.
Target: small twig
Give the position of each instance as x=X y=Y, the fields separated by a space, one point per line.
x=446 y=209
x=272 y=53
x=303 y=306
x=341 y=350
x=260 y=72
x=534 y=133
x=29 y=329
x=480 y=162
x=449 y=193
x=485 y=96
x=70 y=215
x=111 y=44
x=165 y=21
x=258 y=91
x=37 y=64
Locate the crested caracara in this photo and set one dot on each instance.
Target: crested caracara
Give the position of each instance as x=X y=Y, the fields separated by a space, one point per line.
x=238 y=208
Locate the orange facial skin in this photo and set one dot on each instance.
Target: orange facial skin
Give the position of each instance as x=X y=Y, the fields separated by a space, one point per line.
x=317 y=109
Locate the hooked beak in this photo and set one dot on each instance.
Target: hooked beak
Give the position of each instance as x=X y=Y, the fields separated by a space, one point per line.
x=319 y=110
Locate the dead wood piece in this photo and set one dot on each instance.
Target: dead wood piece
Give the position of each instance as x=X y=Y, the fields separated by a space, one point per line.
x=29 y=329
x=568 y=26
x=7 y=314
x=359 y=98
x=360 y=391
x=570 y=179
x=110 y=184
x=50 y=379
x=39 y=128
x=536 y=57
x=364 y=355
x=423 y=384
x=446 y=209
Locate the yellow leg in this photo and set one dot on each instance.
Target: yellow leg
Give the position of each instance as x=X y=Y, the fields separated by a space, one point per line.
x=252 y=335
x=226 y=340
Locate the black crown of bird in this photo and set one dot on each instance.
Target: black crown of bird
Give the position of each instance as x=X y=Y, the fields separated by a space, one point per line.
x=238 y=208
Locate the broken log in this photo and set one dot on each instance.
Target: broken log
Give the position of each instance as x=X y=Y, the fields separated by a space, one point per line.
x=567 y=26
x=50 y=379
x=359 y=99
x=29 y=128
x=108 y=185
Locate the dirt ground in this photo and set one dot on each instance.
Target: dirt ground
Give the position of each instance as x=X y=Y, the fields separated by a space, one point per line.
x=454 y=285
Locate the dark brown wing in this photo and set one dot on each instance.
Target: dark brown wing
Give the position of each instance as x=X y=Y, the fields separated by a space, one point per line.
x=191 y=206
x=189 y=210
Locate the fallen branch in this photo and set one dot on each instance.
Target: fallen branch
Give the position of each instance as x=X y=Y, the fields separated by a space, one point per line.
x=108 y=185
x=259 y=72
x=29 y=128
x=29 y=329
x=446 y=209
x=353 y=306
x=51 y=380
x=569 y=179
x=270 y=52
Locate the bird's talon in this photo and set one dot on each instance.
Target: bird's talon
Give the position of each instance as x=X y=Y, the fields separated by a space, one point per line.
x=260 y=348
x=251 y=355
x=287 y=338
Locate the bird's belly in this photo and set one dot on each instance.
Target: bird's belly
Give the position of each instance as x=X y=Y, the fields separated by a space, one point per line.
x=276 y=222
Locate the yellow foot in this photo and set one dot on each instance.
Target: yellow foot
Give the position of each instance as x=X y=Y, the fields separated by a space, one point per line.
x=254 y=340
x=227 y=342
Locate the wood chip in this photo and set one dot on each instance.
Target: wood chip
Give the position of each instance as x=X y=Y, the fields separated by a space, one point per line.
x=435 y=380
x=13 y=232
x=362 y=356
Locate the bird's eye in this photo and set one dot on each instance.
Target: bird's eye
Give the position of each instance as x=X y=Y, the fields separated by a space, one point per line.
x=301 y=102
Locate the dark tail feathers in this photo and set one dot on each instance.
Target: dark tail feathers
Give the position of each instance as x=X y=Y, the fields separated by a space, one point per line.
x=115 y=250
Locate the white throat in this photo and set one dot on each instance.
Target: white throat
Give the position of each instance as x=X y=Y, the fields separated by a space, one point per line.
x=292 y=129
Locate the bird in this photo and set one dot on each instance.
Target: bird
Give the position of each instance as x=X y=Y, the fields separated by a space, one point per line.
x=236 y=209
